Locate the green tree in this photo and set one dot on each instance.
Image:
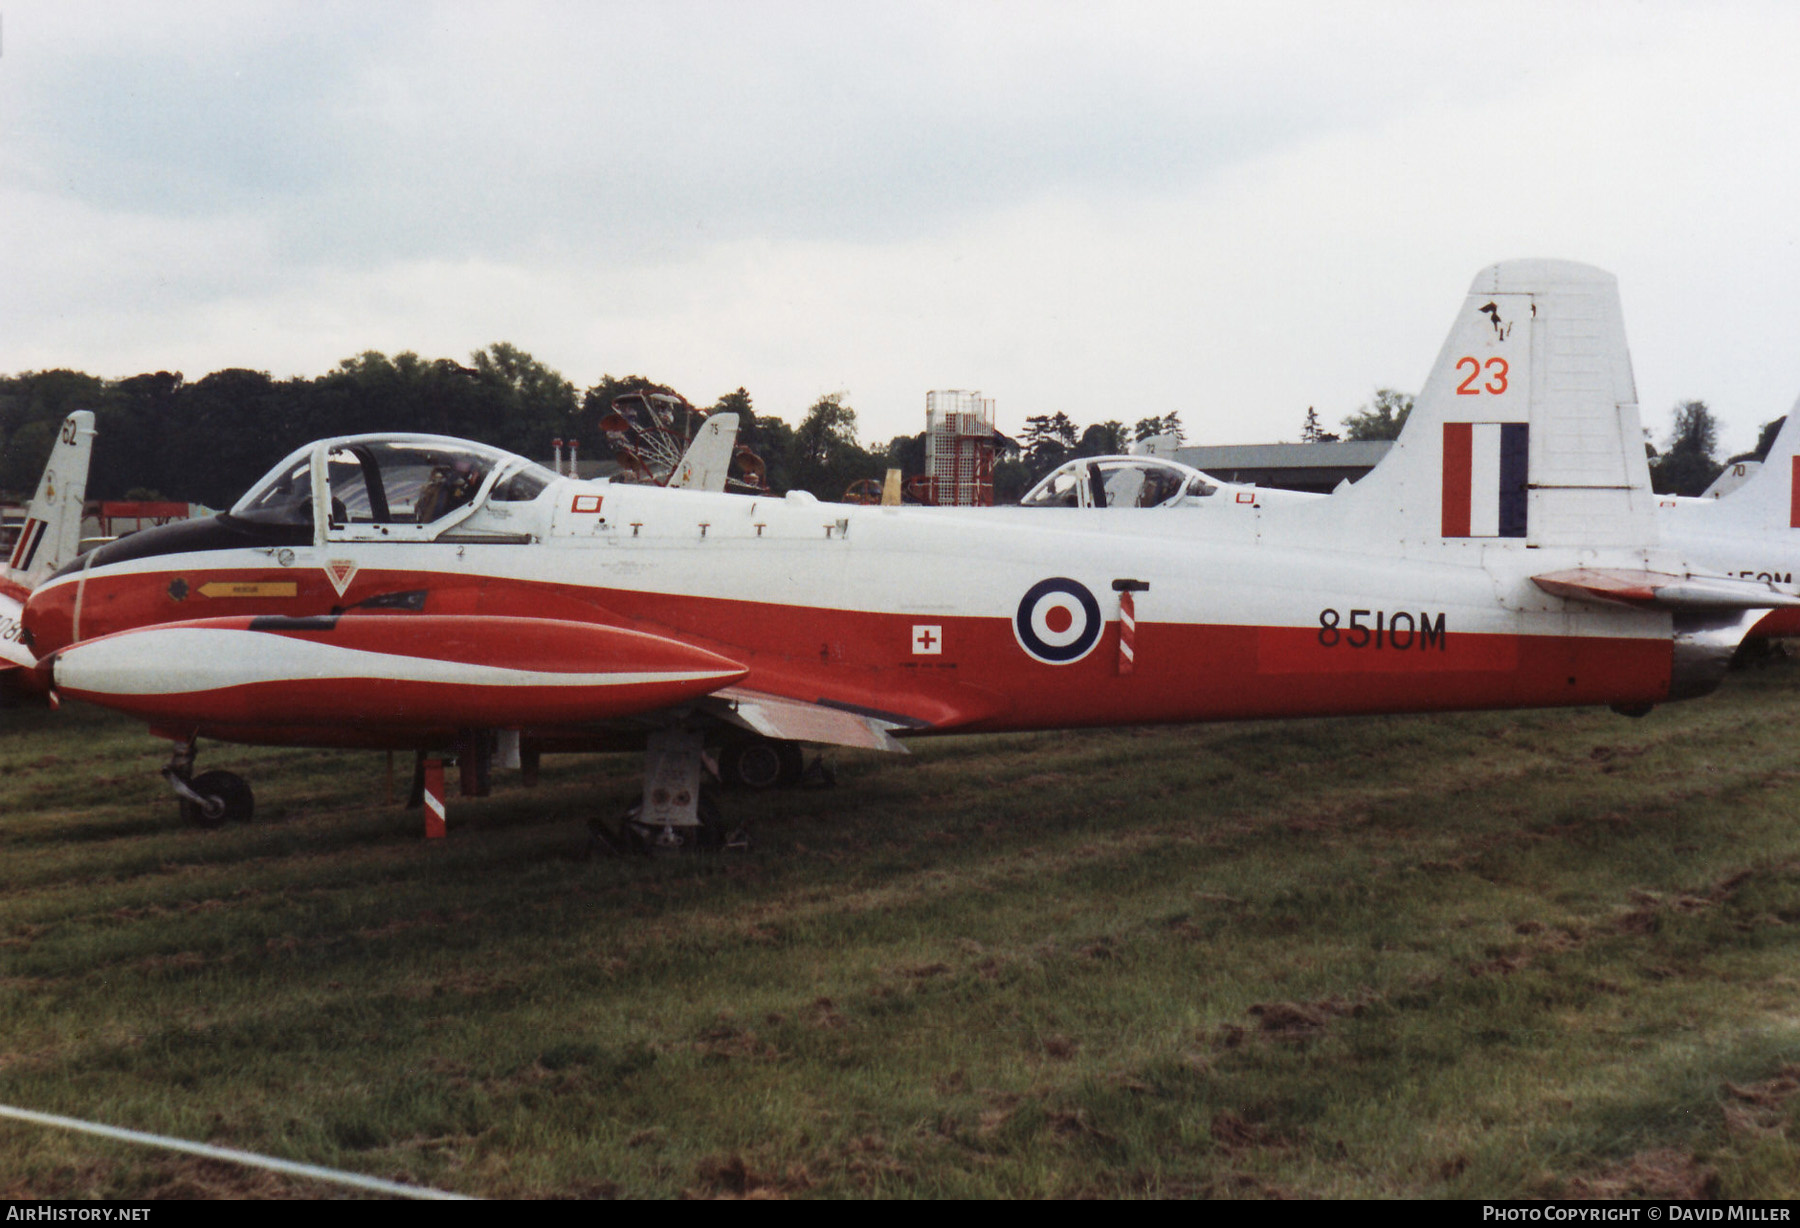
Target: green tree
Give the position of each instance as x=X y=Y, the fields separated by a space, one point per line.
x=135 y=425
x=738 y=403
x=1103 y=439
x=1764 y=442
x=532 y=404
x=1688 y=465
x=907 y=454
x=825 y=457
x=230 y=418
x=1311 y=432
x=32 y=400
x=1012 y=478
x=22 y=463
x=1382 y=419
x=775 y=444
x=828 y=427
x=1048 y=440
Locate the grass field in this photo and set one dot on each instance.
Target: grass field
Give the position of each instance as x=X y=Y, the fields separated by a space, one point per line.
x=1540 y=954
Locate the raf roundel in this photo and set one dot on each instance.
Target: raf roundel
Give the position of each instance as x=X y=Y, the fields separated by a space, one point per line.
x=1058 y=621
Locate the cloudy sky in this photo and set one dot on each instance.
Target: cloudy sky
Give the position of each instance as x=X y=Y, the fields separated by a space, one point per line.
x=1105 y=209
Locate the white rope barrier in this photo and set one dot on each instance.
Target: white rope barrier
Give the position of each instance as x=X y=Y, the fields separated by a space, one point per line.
x=231 y=1155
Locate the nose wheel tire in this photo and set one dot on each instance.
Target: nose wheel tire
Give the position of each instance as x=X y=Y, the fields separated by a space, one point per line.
x=225 y=798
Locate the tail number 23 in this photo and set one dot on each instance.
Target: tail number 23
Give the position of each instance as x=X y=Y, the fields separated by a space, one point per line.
x=1496 y=383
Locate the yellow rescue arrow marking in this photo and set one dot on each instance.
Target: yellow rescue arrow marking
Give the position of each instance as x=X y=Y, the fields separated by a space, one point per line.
x=266 y=588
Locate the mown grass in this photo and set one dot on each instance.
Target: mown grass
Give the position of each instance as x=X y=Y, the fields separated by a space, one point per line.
x=1482 y=955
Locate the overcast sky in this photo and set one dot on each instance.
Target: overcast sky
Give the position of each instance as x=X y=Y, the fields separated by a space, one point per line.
x=1106 y=209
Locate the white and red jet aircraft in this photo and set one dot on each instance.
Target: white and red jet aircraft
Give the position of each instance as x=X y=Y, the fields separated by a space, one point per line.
x=1753 y=530
x=50 y=537
x=407 y=591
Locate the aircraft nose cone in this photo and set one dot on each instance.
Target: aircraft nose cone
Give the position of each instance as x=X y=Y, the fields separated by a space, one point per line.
x=47 y=619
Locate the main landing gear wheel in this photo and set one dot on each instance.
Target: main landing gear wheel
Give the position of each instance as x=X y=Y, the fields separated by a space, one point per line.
x=222 y=797
x=763 y=763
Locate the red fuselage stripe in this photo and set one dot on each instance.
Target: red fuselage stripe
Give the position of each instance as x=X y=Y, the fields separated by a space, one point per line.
x=983 y=679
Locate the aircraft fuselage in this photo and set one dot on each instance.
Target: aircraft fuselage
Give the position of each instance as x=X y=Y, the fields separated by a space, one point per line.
x=934 y=618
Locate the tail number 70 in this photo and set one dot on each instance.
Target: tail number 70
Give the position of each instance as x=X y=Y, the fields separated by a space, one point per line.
x=1496 y=383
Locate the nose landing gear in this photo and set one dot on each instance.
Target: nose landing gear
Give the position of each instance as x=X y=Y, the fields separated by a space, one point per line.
x=210 y=799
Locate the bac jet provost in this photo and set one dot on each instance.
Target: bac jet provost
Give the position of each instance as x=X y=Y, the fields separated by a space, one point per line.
x=428 y=593
x=50 y=537
x=1752 y=531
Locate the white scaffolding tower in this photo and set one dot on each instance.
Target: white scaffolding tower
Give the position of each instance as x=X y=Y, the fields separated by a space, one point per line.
x=959 y=448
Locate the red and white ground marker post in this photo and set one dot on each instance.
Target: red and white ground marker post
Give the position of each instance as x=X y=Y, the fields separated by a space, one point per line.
x=1128 y=622
x=434 y=799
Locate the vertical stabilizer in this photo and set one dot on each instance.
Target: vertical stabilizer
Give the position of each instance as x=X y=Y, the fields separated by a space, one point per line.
x=1527 y=429
x=708 y=459
x=52 y=532
x=1770 y=497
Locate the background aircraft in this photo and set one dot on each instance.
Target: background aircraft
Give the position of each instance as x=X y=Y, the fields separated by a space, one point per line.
x=428 y=593
x=50 y=538
x=1752 y=531
x=1138 y=480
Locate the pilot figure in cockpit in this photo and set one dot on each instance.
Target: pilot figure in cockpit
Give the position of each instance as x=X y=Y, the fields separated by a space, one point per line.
x=450 y=486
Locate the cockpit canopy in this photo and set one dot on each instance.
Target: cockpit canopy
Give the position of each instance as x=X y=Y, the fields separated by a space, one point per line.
x=391 y=480
x=1119 y=481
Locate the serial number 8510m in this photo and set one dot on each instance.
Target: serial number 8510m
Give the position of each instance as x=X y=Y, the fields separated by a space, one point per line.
x=1400 y=630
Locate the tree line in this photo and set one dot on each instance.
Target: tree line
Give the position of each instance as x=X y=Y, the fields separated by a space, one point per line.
x=207 y=441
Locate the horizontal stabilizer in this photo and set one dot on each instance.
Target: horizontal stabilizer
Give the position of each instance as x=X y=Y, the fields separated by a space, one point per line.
x=1662 y=591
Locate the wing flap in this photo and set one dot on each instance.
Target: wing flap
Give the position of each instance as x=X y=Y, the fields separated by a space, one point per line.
x=795 y=720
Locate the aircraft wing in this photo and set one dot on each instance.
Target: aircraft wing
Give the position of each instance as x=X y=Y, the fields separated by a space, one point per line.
x=1664 y=591
x=795 y=720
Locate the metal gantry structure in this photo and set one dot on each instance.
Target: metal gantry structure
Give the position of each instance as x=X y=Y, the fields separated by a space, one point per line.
x=959 y=448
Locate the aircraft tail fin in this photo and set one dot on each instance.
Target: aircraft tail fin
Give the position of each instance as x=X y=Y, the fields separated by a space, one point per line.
x=1770 y=497
x=708 y=459
x=1527 y=429
x=1731 y=478
x=52 y=532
